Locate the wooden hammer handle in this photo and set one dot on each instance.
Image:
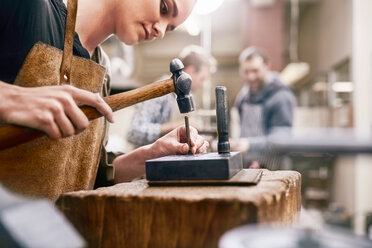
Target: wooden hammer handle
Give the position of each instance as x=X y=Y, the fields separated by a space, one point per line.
x=11 y=135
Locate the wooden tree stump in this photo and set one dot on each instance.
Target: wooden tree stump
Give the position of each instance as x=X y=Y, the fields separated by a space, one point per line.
x=136 y=215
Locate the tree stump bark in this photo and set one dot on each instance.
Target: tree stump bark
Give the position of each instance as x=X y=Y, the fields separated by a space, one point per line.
x=136 y=215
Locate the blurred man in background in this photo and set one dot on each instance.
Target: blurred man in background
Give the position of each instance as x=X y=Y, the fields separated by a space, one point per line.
x=265 y=106
x=152 y=118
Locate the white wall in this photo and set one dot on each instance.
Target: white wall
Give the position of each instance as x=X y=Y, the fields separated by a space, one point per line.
x=325 y=34
x=362 y=77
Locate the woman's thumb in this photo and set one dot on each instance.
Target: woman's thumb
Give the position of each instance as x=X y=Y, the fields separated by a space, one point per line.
x=183 y=148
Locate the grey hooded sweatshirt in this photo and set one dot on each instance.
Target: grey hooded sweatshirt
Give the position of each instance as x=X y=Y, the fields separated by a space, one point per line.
x=267 y=113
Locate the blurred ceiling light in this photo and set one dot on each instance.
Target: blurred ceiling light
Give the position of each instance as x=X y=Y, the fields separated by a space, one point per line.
x=343 y=87
x=205 y=7
x=192 y=26
x=262 y=3
x=294 y=72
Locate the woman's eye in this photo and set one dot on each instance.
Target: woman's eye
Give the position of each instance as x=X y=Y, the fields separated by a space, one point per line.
x=163 y=7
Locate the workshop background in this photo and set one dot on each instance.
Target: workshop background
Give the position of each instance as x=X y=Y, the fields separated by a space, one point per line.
x=323 y=49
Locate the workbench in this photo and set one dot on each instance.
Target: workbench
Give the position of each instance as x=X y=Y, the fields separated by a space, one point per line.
x=136 y=215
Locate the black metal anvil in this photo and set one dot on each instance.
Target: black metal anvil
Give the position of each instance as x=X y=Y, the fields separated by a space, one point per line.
x=222 y=165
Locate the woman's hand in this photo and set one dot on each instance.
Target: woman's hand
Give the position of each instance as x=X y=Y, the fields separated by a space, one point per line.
x=52 y=109
x=175 y=142
x=129 y=166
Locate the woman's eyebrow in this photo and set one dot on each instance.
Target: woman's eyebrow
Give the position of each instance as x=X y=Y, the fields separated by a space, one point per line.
x=175 y=9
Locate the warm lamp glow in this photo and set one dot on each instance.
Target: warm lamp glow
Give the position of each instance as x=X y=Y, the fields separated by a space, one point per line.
x=205 y=7
x=344 y=87
x=192 y=26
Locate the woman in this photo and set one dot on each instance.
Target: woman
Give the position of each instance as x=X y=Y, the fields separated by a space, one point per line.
x=53 y=109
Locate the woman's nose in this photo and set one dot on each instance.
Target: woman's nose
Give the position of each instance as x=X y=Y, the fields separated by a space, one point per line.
x=160 y=29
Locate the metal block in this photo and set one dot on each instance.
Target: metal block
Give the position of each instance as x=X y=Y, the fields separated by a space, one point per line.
x=194 y=167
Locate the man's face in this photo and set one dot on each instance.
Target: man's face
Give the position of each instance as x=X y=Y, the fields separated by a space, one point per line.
x=142 y=20
x=253 y=72
x=198 y=78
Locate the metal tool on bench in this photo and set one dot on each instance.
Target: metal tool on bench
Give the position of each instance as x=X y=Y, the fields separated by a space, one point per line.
x=222 y=165
x=180 y=83
x=30 y=222
x=294 y=237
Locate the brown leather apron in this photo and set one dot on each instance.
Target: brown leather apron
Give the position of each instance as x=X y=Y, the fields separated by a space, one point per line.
x=47 y=168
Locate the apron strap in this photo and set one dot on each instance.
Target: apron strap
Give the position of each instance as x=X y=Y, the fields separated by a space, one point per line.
x=65 y=69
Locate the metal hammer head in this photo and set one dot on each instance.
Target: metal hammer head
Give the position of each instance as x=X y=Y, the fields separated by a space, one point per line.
x=182 y=85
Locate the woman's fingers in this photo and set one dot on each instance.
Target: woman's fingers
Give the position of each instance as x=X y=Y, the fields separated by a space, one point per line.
x=65 y=126
x=197 y=141
x=204 y=148
x=180 y=148
x=46 y=123
x=77 y=117
x=94 y=100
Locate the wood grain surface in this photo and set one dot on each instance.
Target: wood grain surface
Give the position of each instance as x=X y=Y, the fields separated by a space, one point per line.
x=136 y=215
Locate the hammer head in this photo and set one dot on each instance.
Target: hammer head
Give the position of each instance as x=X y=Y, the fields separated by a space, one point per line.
x=182 y=84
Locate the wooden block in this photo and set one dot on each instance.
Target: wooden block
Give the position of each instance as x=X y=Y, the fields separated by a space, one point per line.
x=136 y=215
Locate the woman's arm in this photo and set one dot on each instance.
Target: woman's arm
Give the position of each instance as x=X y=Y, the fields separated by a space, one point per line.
x=132 y=165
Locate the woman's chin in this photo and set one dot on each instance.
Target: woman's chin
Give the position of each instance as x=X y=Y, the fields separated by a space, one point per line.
x=128 y=40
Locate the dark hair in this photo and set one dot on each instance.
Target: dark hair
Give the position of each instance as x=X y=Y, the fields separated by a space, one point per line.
x=197 y=57
x=252 y=52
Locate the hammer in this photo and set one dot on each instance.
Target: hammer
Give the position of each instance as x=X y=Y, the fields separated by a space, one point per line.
x=179 y=82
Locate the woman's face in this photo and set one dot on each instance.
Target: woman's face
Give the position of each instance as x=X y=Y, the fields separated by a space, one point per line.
x=142 y=20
